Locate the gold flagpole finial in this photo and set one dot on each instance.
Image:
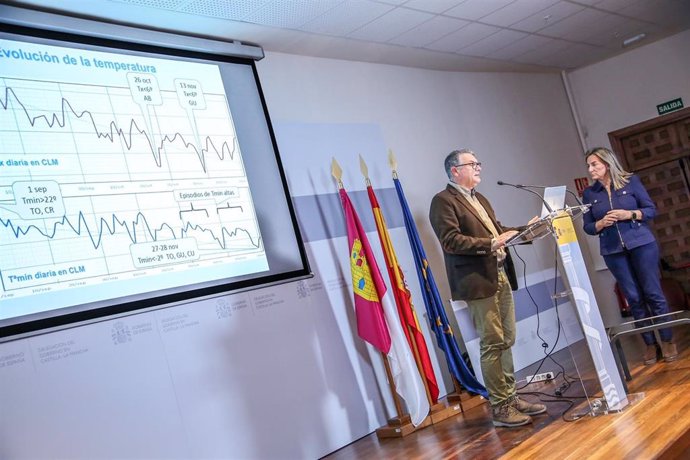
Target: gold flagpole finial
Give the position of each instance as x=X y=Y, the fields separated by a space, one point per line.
x=364 y=169
x=393 y=162
x=337 y=172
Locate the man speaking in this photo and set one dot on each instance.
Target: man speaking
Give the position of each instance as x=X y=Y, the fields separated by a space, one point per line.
x=481 y=273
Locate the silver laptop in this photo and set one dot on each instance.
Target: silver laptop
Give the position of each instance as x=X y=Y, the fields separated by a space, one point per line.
x=555 y=197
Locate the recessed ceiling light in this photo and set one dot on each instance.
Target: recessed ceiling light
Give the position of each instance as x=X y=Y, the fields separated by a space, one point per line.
x=634 y=39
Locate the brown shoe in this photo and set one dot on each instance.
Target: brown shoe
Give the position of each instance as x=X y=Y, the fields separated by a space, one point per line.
x=526 y=407
x=650 y=354
x=507 y=415
x=669 y=351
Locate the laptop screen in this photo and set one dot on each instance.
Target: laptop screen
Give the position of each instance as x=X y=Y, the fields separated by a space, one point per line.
x=555 y=197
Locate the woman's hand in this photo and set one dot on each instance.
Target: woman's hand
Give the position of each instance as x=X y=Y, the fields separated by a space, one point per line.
x=619 y=214
x=606 y=221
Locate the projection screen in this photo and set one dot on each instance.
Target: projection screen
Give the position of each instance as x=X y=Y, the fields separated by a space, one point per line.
x=133 y=176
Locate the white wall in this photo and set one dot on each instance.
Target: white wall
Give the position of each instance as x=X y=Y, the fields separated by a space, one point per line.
x=626 y=89
x=620 y=92
x=519 y=125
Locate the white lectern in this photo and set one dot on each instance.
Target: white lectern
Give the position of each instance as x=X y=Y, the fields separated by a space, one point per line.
x=560 y=224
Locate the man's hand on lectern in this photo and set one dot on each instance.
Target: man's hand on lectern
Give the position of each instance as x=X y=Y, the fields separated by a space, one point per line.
x=500 y=241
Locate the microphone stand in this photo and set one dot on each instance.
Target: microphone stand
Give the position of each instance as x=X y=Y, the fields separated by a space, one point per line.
x=527 y=188
x=577 y=198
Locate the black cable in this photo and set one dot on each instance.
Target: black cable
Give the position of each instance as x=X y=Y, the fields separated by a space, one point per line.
x=558 y=396
x=544 y=343
x=570 y=400
x=558 y=316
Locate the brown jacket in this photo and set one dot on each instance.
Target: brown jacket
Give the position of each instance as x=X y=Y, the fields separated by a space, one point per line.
x=470 y=265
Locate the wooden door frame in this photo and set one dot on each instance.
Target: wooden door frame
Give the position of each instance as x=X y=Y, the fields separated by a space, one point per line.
x=615 y=137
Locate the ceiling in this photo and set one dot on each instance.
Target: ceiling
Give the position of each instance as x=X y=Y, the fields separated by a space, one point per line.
x=461 y=35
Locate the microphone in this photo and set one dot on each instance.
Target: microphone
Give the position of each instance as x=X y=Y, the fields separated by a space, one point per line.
x=577 y=198
x=500 y=182
x=527 y=188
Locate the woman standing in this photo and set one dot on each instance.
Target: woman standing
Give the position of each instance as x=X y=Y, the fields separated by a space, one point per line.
x=620 y=212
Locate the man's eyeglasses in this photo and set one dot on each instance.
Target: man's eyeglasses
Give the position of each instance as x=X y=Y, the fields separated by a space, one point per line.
x=474 y=165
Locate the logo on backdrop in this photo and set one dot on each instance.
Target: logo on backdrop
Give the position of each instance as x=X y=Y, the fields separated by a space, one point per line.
x=120 y=333
x=223 y=309
x=303 y=290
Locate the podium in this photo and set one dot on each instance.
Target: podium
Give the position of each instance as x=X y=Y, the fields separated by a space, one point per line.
x=559 y=224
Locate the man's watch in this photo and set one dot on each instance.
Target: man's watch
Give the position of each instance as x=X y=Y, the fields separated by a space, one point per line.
x=634 y=215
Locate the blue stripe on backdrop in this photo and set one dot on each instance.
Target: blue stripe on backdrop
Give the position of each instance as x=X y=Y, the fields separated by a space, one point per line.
x=541 y=292
x=320 y=217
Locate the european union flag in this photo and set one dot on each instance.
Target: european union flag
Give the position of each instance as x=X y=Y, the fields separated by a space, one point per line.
x=434 y=306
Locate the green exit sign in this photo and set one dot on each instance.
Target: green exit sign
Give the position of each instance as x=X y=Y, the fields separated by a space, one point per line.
x=670 y=106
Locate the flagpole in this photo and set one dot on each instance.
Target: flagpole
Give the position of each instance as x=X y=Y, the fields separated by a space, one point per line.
x=389 y=374
x=461 y=394
x=337 y=173
x=396 y=399
x=412 y=343
x=408 y=328
x=401 y=424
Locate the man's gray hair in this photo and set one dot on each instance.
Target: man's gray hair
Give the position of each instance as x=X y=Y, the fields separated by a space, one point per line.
x=453 y=159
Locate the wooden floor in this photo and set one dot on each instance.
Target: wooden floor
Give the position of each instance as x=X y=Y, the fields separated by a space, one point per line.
x=656 y=426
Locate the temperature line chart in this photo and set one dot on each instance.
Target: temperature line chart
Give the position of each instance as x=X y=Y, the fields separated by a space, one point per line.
x=128 y=172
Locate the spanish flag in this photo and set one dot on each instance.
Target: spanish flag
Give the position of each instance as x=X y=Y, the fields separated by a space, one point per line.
x=403 y=300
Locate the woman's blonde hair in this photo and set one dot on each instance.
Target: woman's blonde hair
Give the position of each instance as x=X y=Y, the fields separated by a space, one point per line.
x=619 y=176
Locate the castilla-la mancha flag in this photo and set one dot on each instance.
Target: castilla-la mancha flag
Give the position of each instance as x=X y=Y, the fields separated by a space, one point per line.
x=403 y=300
x=377 y=318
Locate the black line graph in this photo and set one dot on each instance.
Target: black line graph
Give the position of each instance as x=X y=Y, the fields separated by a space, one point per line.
x=150 y=139
x=119 y=180
x=109 y=227
x=113 y=131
